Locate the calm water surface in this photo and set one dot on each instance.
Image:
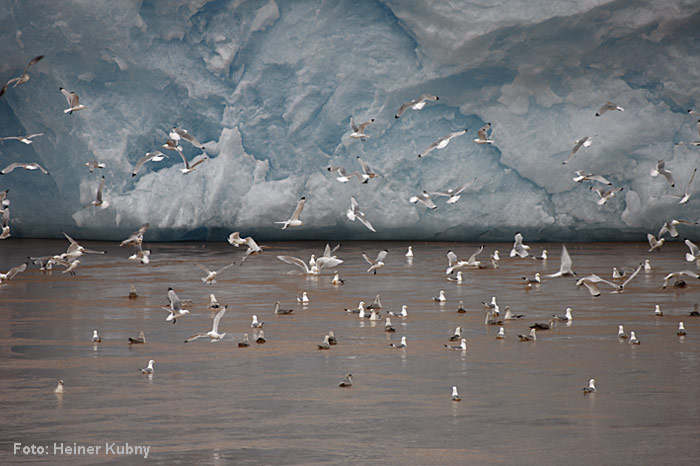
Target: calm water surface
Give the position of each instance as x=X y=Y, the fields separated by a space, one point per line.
x=279 y=403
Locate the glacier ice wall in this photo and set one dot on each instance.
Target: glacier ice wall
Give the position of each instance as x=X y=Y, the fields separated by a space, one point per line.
x=269 y=88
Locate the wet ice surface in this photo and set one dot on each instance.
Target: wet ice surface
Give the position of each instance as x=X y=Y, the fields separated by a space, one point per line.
x=279 y=402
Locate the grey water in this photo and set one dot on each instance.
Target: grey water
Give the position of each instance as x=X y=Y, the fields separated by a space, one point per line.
x=279 y=402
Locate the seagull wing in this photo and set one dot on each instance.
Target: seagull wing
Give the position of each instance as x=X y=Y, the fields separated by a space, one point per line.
x=322 y=262
x=175 y=302
x=692 y=177
x=295 y=261
x=188 y=137
x=98 y=199
x=217 y=318
x=15 y=270
x=381 y=256
x=694 y=249
x=225 y=267
x=472 y=258
x=405 y=106
x=631 y=277
x=32 y=62
x=299 y=208
x=369 y=261
x=207 y=271
x=451 y=258
x=365 y=222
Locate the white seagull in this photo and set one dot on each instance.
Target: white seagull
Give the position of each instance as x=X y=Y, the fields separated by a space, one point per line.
x=367 y=172
x=661 y=170
x=155 y=156
x=344 y=176
x=25 y=139
x=455 y=264
x=213 y=334
x=605 y=196
x=377 y=263
x=670 y=227
x=591 y=383
x=175 y=308
x=99 y=202
x=73 y=101
x=10 y=274
x=424 y=199
x=566 y=263
x=461 y=347
x=136 y=237
x=583 y=142
x=315 y=269
x=415 y=104
x=455 y=395
x=591 y=283
x=400 y=345
x=253 y=248
x=608 y=106
x=519 y=249
x=358 y=132
x=294 y=220
x=177 y=134
x=482 y=137
x=442 y=142
x=149 y=369
x=581 y=176
x=94 y=164
x=210 y=279
x=678 y=276
x=454 y=194
x=654 y=244
x=694 y=254
x=354 y=213
x=21 y=79
x=686 y=195
x=255 y=324
x=26 y=166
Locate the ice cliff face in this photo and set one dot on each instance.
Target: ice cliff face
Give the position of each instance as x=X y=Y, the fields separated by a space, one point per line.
x=269 y=87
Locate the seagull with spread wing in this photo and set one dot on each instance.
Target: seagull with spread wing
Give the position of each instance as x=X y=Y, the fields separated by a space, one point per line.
x=442 y=142
x=213 y=334
x=454 y=194
x=73 y=101
x=376 y=264
x=294 y=220
x=25 y=139
x=155 y=156
x=210 y=279
x=21 y=79
x=415 y=104
x=354 y=213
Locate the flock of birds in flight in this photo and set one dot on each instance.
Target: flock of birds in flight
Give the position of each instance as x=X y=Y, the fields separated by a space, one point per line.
x=70 y=258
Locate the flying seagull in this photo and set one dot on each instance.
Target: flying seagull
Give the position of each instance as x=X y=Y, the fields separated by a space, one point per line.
x=376 y=264
x=354 y=213
x=442 y=142
x=660 y=169
x=136 y=237
x=23 y=78
x=99 y=202
x=344 y=176
x=608 y=106
x=423 y=198
x=73 y=101
x=213 y=334
x=482 y=137
x=583 y=142
x=686 y=195
x=565 y=267
x=367 y=172
x=178 y=133
x=175 y=308
x=25 y=139
x=415 y=104
x=315 y=269
x=581 y=177
x=155 y=156
x=210 y=279
x=26 y=166
x=294 y=220
x=358 y=132
x=454 y=194
x=519 y=249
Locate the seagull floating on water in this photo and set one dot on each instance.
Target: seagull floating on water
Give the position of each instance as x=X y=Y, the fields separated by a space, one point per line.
x=59 y=388
x=455 y=395
x=400 y=345
x=621 y=332
x=346 y=382
x=387 y=326
x=403 y=313
x=457 y=335
x=590 y=388
x=440 y=298
x=461 y=347
x=325 y=345
x=681 y=330
x=245 y=342
x=633 y=339
x=278 y=310
x=255 y=323
x=141 y=339
x=531 y=337
x=657 y=311
x=501 y=333
x=149 y=369
x=95 y=337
